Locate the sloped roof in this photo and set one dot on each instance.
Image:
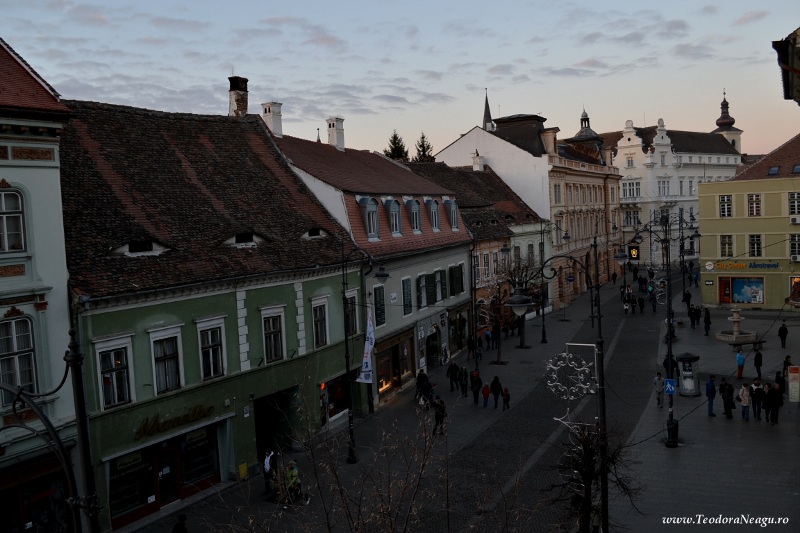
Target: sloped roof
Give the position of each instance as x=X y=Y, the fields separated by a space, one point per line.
x=21 y=87
x=523 y=131
x=354 y=171
x=786 y=157
x=682 y=141
x=189 y=183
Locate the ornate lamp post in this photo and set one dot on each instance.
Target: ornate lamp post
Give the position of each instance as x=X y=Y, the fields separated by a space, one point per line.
x=381 y=276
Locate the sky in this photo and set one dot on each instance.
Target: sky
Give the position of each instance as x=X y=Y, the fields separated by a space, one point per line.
x=417 y=66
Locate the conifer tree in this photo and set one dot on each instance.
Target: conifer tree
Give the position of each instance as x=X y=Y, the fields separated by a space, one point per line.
x=424 y=150
x=397 y=148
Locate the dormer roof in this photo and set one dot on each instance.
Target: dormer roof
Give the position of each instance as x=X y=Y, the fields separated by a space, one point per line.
x=21 y=87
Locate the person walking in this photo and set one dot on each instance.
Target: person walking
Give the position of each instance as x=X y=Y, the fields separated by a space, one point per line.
x=787 y=362
x=422 y=378
x=486 y=392
x=707 y=321
x=653 y=300
x=711 y=393
x=690 y=313
x=470 y=347
x=739 y=364
x=452 y=373
x=496 y=389
x=439 y=414
x=270 y=472
x=726 y=393
x=614 y=277
x=782 y=334
x=757 y=361
x=780 y=381
x=506 y=399
x=767 y=402
x=463 y=380
x=476 y=385
x=658 y=385
x=687 y=299
x=744 y=397
x=775 y=400
x=294 y=487
x=640 y=301
x=670 y=367
x=757 y=398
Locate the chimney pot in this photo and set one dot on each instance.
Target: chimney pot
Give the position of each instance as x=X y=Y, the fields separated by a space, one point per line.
x=237 y=105
x=271 y=115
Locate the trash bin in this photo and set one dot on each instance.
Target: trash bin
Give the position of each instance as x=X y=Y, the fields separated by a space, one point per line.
x=687 y=374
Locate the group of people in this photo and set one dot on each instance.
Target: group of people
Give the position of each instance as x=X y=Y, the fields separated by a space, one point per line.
x=283 y=484
x=767 y=398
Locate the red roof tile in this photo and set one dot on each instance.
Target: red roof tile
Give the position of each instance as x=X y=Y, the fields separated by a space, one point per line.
x=785 y=159
x=22 y=87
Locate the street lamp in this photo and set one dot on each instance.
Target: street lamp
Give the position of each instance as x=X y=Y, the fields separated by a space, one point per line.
x=382 y=275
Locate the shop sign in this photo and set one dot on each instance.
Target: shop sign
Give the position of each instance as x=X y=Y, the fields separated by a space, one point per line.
x=152 y=425
x=733 y=265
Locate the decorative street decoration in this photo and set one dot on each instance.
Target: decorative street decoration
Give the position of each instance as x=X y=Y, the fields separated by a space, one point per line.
x=568 y=376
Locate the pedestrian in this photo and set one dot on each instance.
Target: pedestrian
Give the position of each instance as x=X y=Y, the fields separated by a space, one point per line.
x=506 y=399
x=478 y=354
x=180 y=527
x=739 y=363
x=488 y=337
x=711 y=392
x=707 y=321
x=614 y=277
x=452 y=373
x=470 y=347
x=632 y=302
x=496 y=390
x=640 y=301
x=744 y=397
x=622 y=293
x=690 y=313
x=766 y=401
x=439 y=414
x=780 y=381
x=653 y=300
x=476 y=385
x=787 y=362
x=757 y=361
x=658 y=385
x=775 y=401
x=687 y=299
x=421 y=379
x=726 y=393
x=486 y=391
x=426 y=394
x=757 y=398
x=294 y=487
x=625 y=307
x=696 y=277
x=463 y=380
x=505 y=332
x=495 y=336
x=782 y=333
x=670 y=366
x=269 y=472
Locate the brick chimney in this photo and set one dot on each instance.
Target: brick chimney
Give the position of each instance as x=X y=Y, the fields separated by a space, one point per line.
x=336 y=132
x=477 y=162
x=237 y=105
x=271 y=115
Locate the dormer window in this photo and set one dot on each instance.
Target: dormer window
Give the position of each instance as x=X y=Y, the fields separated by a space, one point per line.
x=452 y=213
x=139 y=247
x=773 y=171
x=413 y=214
x=433 y=211
x=245 y=239
x=393 y=212
x=369 y=210
x=315 y=233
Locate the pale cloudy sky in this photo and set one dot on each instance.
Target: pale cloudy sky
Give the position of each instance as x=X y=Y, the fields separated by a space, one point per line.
x=420 y=66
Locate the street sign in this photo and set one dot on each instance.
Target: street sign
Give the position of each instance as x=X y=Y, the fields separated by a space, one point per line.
x=570 y=278
x=633 y=252
x=669 y=386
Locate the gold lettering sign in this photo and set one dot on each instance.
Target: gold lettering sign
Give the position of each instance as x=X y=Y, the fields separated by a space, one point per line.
x=9 y=271
x=152 y=425
x=32 y=154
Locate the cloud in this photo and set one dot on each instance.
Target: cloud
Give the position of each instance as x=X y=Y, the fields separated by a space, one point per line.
x=750 y=16
x=634 y=37
x=391 y=99
x=430 y=74
x=86 y=14
x=315 y=34
x=171 y=23
x=567 y=72
x=693 y=51
x=501 y=70
x=673 y=29
x=591 y=38
x=592 y=63
x=709 y=10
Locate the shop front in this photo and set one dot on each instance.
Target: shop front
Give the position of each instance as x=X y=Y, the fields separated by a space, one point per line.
x=166 y=467
x=458 y=320
x=33 y=494
x=395 y=363
x=432 y=342
x=747 y=284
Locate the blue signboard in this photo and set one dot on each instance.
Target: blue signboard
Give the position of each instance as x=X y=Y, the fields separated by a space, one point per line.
x=669 y=386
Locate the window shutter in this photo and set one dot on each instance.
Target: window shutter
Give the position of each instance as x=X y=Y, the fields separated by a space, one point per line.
x=443 y=276
x=380 y=310
x=460 y=277
x=420 y=288
x=451 y=273
x=430 y=288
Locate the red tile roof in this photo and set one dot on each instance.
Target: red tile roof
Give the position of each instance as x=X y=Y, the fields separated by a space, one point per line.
x=189 y=183
x=21 y=87
x=786 y=158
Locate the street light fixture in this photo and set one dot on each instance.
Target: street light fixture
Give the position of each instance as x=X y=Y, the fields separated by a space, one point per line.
x=382 y=275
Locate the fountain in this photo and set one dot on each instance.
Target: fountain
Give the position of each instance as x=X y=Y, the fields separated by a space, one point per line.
x=736 y=334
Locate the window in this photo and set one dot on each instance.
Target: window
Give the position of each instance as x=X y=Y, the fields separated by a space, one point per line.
x=486 y=265
x=531 y=257
x=212 y=353
x=495 y=263
x=663 y=160
x=569 y=194
x=755 y=245
x=516 y=252
x=433 y=207
x=380 y=307
x=725 y=205
x=794 y=244
x=114 y=375
x=456 y=274
x=422 y=291
x=663 y=187
x=11 y=236
x=274 y=344
x=440 y=285
x=794 y=203
x=452 y=213
x=351 y=314
x=394 y=217
x=773 y=171
x=796 y=169
x=476 y=265
x=629 y=160
x=319 y=316
x=16 y=357
x=166 y=348
x=408 y=306
x=754 y=205
x=556 y=193
x=369 y=210
x=690 y=159
x=680 y=187
x=726 y=245
x=631 y=189
x=413 y=209
x=691 y=186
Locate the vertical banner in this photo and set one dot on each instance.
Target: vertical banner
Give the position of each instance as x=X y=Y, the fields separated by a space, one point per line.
x=369 y=344
x=793 y=382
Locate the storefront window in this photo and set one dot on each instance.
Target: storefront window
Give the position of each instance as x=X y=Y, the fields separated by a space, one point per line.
x=130 y=482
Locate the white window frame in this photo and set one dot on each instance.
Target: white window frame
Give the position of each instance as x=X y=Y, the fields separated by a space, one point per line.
x=755 y=243
x=110 y=344
x=207 y=324
x=794 y=203
x=754 y=205
x=273 y=311
x=725 y=205
x=416 y=220
x=320 y=301
x=159 y=334
x=726 y=241
x=16 y=353
x=16 y=214
x=352 y=294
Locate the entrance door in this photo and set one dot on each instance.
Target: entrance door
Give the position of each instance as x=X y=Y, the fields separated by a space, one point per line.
x=167 y=473
x=272 y=418
x=724 y=294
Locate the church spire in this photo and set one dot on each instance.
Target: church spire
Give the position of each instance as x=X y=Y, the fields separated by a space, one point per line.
x=725 y=121
x=488 y=124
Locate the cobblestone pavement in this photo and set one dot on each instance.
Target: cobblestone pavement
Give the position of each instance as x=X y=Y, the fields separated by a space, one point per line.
x=493 y=468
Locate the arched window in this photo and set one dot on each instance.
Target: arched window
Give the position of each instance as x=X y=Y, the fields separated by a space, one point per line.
x=393 y=212
x=12 y=238
x=414 y=216
x=369 y=210
x=452 y=213
x=433 y=210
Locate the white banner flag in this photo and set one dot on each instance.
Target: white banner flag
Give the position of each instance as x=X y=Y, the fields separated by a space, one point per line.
x=369 y=344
